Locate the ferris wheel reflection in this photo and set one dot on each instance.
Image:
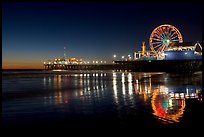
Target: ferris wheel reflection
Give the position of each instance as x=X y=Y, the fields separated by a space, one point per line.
x=167 y=109
x=167 y=102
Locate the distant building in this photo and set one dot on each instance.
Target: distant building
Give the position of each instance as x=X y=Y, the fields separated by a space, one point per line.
x=74 y=61
x=183 y=51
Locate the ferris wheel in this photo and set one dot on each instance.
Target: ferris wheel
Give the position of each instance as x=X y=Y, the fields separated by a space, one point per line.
x=162 y=36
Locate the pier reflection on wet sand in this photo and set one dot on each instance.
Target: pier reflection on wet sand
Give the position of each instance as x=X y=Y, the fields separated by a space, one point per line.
x=108 y=99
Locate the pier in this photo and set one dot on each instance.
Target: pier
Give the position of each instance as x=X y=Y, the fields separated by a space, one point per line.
x=80 y=67
x=159 y=65
x=137 y=66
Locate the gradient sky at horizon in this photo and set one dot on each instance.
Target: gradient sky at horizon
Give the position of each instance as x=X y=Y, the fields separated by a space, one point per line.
x=35 y=32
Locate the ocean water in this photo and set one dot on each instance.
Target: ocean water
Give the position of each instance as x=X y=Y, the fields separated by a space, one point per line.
x=101 y=99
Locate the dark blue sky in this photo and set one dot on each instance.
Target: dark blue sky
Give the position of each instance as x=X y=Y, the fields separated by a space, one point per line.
x=34 y=32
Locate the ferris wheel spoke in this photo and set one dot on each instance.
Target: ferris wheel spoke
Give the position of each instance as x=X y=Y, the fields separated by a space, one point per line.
x=164 y=47
x=158 y=45
x=168 y=30
x=159 y=49
x=157 y=36
x=159 y=33
x=174 y=37
x=173 y=34
x=169 y=34
x=156 y=42
x=156 y=39
x=162 y=36
x=163 y=32
x=175 y=40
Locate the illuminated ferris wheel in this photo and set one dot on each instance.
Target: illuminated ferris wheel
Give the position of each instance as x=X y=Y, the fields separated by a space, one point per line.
x=162 y=36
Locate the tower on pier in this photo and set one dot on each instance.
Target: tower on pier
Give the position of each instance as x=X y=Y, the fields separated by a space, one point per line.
x=143 y=48
x=65 y=56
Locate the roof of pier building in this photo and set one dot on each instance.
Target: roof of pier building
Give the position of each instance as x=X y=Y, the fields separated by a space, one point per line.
x=181 y=46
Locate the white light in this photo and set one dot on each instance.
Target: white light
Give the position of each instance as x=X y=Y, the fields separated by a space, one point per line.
x=123 y=88
x=130 y=77
x=166 y=90
x=123 y=78
x=176 y=95
x=170 y=102
x=57 y=70
x=182 y=95
x=114 y=75
x=172 y=94
x=122 y=57
x=192 y=95
x=137 y=81
x=167 y=40
x=114 y=56
x=185 y=52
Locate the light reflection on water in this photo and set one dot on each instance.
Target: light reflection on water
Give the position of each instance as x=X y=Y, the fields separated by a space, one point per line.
x=104 y=92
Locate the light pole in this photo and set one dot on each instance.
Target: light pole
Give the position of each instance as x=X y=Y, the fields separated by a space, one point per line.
x=129 y=57
x=114 y=58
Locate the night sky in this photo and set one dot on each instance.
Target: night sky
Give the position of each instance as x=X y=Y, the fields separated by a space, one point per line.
x=35 y=32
